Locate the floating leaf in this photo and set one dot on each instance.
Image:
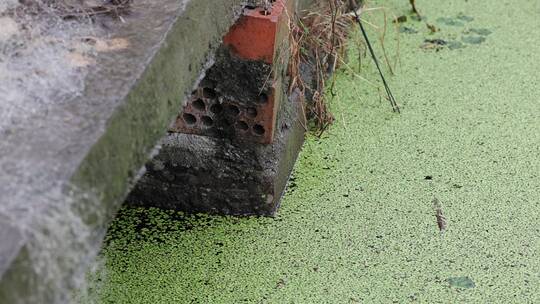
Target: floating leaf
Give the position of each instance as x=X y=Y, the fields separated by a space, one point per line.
x=449 y=21
x=461 y=282
x=473 y=39
x=465 y=18
x=482 y=31
x=454 y=45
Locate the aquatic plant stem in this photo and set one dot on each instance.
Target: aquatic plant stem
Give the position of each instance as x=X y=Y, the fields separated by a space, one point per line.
x=391 y=98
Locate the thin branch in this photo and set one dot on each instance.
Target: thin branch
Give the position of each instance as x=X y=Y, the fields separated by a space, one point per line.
x=389 y=94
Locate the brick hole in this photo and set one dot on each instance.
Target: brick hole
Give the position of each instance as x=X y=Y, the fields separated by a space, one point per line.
x=209 y=93
x=265 y=13
x=207 y=121
x=258 y=129
x=199 y=105
x=233 y=110
x=189 y=119
x=263 y=98
x=242 y=125
x=251 y=112
x=226 y=123
x=216 y=108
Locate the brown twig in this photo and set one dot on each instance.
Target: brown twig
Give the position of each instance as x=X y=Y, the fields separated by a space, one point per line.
x=318 y=40
x=414 y=9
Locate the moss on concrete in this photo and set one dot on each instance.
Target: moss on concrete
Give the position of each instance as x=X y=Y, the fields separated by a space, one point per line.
x=357 y=224
x=113 y=163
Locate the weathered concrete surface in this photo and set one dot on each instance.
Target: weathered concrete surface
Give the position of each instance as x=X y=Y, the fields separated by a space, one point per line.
x=255 y=136
x=67 y=167
x=12 y=243
x=223 y=175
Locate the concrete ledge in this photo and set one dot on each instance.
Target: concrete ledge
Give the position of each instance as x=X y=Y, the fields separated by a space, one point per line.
x=97 y=141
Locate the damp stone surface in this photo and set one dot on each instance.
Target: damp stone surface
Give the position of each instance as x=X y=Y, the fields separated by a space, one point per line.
x=235 y=141
x=357 y=224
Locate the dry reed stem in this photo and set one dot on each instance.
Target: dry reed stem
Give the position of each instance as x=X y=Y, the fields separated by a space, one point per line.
x=320 y=38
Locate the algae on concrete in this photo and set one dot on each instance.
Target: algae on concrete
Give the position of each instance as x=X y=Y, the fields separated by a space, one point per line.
x=357 y=224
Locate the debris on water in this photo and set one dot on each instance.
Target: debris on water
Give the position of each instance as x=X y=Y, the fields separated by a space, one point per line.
x=436 y=41
x=441 y=220
x=281 y=283
x=400 y=19
x=473 y=39
x=433 y=44
x=461 y=282
x=432 y=28
x=414 y=9
x=407 y=30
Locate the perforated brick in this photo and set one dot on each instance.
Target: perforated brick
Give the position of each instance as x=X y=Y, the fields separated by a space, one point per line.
x=238 y=98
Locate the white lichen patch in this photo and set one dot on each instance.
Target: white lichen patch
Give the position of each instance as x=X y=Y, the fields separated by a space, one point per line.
x=7 y=4
x=110 y=45
x=9 y=28
x=38 y=65
x=40 y=71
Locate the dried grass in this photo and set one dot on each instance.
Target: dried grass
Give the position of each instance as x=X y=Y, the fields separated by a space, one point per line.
x=319 y=40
